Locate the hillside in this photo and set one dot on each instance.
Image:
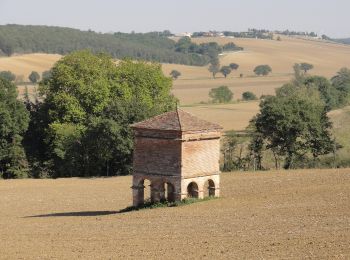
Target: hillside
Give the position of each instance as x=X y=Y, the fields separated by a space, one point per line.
x=327 y=59
x=344 y=40
x=279 y=215
x=153 y=46
x=195 y=83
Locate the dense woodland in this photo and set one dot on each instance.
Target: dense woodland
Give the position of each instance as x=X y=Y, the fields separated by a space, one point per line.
x=153 y=46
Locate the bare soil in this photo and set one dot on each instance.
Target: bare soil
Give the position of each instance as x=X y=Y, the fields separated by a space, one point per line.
x=265 y=215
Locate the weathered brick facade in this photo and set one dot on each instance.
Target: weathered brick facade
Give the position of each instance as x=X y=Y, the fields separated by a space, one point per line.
x=178 y=153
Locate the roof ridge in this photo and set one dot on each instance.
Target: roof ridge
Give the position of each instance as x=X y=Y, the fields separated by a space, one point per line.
x=178 y=117
x=178 y=120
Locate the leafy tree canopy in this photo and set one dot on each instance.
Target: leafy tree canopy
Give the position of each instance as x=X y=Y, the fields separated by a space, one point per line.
x=34 y=77
x=234 y=66
x=341 y=82
x=306 y=66
x=14 y=121
x=295 y=124
x=89 y=105
x=8 y=75
x=225 y=70
x=262 y=70
x=175 y=74
x=214 y=69
x=221 y=94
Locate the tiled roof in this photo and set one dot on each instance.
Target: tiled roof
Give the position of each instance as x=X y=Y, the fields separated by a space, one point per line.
x=177 y=120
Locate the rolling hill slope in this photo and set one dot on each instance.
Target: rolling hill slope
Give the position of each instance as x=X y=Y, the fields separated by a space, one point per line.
x=195 y=82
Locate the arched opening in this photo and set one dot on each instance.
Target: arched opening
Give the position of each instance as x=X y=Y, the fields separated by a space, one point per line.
x=209 y=188
x=192 y=190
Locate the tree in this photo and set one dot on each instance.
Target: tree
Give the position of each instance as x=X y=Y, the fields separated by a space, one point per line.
x=90 y=103
x=306 y=67
x=175 y=74
x=183 y=44
x=34 y=77
x=341 y=82
x=221 y=94
x=298 y=75
x=14 y=120
x=46 y=75
x=234 y=66
x=8 y=75
x=214 y=69
x=328 y=93
x=294 y=125
x=231 y=47
x=262 y=70
x=225 y=70
x=249 y=96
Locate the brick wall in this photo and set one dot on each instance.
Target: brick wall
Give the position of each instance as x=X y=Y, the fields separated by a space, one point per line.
x=200 y=157
x=157 y=156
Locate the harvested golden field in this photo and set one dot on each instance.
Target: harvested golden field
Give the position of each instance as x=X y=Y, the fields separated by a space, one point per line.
x=326 y=57
x=25 y=64
x=194 y=84
x=229 y=116
x=288 y=215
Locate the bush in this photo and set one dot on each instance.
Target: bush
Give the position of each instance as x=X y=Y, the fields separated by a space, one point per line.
x=249 y=96
x=221 y=94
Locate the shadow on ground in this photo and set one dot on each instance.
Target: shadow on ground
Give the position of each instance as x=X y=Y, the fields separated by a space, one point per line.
x=76 y=214
x=146 y=205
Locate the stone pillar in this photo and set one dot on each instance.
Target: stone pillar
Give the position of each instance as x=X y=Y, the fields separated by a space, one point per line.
x=200 y=194
x=161 y=192
x=138 y=195
x=217 y=192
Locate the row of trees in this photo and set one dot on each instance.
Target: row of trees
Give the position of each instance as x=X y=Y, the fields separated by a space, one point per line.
x=33 y=77
x=223 y=94
x=260 y=70
x=215 y=68
x=80 y=126
x=292 y=128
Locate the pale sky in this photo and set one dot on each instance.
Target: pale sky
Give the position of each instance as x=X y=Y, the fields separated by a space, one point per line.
x=330 y=17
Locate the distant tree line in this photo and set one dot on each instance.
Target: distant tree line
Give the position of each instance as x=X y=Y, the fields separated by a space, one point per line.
x=296 y=33
x=153 y=46
x=259 y=34
x=211 y=50
x=251 y=33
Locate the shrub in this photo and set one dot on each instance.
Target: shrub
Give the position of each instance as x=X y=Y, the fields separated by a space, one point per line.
x=221 y=94
x=249 y=96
